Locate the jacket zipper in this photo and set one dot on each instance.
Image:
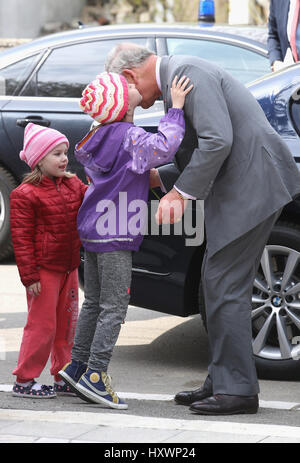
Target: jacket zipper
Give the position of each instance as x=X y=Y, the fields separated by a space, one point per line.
x=67 y=215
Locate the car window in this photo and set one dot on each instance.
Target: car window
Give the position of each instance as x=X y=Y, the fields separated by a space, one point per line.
x=12 y=77
x=243 y=64
x=69 y=69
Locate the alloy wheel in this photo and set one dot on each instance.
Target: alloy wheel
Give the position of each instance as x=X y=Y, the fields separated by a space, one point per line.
x=276 y=305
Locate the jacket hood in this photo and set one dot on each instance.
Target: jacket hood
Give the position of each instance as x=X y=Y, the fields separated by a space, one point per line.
x=102 y=146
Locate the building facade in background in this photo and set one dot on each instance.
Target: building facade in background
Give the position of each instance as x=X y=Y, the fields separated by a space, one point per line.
x=32 y=18
x=26 y=19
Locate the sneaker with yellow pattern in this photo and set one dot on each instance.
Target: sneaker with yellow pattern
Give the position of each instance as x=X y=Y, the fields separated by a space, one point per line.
x=96 y=386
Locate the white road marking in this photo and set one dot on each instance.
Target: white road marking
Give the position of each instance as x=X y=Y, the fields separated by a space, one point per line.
x=278 y=405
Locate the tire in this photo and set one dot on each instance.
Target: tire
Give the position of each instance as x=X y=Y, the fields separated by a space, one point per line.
x=276 y=306
x=7 y=184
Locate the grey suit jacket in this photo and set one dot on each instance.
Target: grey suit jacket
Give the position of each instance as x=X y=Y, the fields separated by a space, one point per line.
x=230 y=156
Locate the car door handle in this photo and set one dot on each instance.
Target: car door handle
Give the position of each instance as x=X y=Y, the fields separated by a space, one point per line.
x=35 y=120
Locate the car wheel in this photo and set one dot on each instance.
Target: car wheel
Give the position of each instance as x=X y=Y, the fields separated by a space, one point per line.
x=7 y=184
x=276 y=306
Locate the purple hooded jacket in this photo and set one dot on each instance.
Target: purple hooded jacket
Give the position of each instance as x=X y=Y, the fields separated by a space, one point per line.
x=117 y=158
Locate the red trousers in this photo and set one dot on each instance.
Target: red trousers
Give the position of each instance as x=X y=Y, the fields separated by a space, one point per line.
x=50 y=326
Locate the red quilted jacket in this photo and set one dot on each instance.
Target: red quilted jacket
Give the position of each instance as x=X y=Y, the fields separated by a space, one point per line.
x=44 y=228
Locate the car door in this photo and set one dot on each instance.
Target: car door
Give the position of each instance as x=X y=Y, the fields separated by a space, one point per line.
x=61 y=114
x=279 y=96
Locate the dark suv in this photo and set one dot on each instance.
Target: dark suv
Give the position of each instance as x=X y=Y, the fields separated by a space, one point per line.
x=42 y=82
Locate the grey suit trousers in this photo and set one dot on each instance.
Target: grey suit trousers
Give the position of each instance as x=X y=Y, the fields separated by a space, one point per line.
x=227 y=279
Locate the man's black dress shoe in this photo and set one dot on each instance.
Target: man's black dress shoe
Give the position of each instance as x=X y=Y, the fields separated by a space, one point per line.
x=189 y=397
x=223 y=404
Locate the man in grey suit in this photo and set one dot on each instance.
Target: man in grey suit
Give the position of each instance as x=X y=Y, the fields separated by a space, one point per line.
x=233 y=160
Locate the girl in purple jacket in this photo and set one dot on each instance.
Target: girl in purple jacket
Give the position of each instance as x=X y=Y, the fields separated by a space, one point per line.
x=117 y=156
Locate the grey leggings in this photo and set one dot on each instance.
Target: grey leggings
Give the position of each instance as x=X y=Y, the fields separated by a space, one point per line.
x=107 y=279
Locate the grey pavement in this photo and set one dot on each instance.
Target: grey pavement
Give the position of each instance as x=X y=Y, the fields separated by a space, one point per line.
x=90 y=425
x=156 y=356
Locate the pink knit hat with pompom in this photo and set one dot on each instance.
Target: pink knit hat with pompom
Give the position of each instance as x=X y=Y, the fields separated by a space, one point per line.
x=38 y=142
x=105 y=99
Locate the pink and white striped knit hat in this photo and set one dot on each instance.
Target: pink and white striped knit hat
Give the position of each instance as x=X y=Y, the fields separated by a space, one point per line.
x=105 y=99
x=38 y=142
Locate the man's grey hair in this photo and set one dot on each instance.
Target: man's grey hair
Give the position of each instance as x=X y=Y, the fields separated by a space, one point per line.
x=126 y=56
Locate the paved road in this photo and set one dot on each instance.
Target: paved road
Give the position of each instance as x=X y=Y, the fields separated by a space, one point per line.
x=156 y=356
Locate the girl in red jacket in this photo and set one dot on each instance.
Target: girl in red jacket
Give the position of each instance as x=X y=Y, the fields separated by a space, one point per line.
x=47 y=250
